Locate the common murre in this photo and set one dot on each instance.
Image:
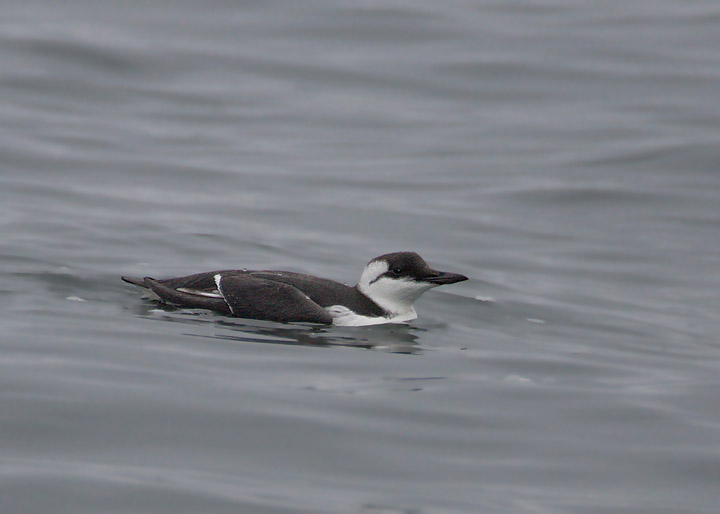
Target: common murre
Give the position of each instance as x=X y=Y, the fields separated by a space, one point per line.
x=387 y=289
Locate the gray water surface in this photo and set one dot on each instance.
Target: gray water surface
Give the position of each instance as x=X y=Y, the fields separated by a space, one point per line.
x=564 y=155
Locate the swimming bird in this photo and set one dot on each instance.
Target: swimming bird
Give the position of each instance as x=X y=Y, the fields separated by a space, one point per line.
x=385 y=293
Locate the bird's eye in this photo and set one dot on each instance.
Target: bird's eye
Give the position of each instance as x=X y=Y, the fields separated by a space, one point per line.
x=396 y=271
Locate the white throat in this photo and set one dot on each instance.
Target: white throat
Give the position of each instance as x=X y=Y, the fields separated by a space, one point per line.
x=396 y=296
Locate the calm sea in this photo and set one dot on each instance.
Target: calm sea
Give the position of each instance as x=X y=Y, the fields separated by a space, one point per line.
x=563 y=154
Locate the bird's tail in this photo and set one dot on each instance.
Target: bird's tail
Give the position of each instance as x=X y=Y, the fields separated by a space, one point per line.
x=136 y=281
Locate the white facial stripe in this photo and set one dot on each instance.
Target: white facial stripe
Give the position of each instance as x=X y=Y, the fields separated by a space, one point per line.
x=372 y=272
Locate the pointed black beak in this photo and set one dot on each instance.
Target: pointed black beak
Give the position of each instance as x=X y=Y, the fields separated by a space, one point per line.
x=443 y=277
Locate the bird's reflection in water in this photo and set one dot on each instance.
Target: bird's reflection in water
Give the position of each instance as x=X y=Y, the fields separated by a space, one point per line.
x=393 y=338
x=390 y=338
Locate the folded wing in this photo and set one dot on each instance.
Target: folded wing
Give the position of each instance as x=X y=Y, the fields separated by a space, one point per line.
x=265 y=295
x=258 y=298
x=186 y=299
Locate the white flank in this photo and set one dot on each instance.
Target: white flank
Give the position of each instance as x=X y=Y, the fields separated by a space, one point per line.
x=344 y=317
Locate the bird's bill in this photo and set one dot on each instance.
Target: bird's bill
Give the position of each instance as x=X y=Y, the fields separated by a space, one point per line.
x=440 y=278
